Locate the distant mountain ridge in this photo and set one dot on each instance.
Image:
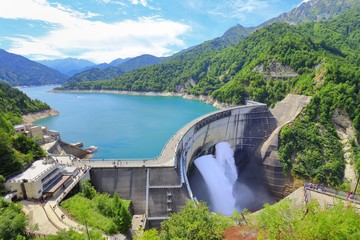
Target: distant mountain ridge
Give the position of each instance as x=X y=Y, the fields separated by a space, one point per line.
x=68 y=66
x=314 y=11
x=17 y=70
x=116 y=68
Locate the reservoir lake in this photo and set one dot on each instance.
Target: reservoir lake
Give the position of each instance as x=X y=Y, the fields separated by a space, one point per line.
x=122 y=126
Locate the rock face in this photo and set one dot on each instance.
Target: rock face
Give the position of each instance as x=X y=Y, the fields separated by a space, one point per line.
x=314 y=10
x=346 y=133
x=276 y=70
x=32 y=117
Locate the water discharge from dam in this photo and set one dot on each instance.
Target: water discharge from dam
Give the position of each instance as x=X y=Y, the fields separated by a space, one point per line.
x=220 y=175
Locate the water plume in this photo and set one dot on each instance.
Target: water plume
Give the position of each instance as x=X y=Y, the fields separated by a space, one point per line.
x=220 y=176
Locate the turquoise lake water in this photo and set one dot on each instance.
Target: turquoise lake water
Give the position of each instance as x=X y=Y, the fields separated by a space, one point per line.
x=122 y=126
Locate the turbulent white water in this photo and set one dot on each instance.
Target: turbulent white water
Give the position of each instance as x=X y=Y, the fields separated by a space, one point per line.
x=220 y=175
x=225 y=157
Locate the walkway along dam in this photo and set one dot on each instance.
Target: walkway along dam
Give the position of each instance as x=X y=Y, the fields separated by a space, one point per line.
x=157 y=187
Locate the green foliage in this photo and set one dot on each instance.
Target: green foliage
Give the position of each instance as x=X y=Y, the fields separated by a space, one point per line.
x=312 y=151
x=74 y=235
x=5 y=124
x=355 y=155
x=151 y=234
x=99 y=210
x=87 y=189
x=284 y=221
x=12 y=220
x=2 y=186
x=194 y=222
x=27 y=145
x=17 y=152
x=10 y=160
x=18 y=103
x=86 y=213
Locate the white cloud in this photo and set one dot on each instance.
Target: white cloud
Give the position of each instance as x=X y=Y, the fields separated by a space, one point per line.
x=75 y=35
x=239 y=8
x=41 y=10
x=141 y=2
x=112 y=1
x=304 y=2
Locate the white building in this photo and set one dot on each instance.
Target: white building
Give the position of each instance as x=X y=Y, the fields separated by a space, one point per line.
x=43 y=179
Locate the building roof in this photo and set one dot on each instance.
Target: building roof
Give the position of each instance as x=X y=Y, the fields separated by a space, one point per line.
x=36 y=170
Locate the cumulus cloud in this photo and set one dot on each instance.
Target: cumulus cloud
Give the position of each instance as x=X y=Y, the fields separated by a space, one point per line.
x=74 y=34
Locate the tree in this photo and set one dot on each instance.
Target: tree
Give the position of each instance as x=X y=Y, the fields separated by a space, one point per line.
x=121 y=215
x=194 y=222
x=12 y=220
x=2 y=182
x=27 y=145
x=151 y=234
x=87 y=189
x=9 y=161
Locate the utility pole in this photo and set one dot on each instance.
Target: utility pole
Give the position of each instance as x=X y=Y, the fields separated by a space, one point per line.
x=357 y=183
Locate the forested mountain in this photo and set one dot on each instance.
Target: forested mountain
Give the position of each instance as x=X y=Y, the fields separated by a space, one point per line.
x=319 y=59
x=68 y=66
x=20 y=71
x=315 y=11
x=116 y=68
x=16 y=152
x=18 y=103
x=230 y=38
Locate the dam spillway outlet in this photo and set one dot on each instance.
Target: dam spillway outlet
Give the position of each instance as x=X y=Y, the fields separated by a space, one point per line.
x=225 y=188
x=218 y=176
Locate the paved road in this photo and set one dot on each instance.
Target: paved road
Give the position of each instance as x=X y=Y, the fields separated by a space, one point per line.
x=325 y=199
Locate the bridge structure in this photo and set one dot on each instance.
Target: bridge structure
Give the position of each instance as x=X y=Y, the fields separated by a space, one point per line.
x=158 y=187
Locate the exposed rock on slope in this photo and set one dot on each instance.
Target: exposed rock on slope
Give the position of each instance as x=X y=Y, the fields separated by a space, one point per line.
x=346 y=133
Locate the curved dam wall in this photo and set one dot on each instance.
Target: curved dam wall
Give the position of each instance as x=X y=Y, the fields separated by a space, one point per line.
x=244 y=128
x=159 y=187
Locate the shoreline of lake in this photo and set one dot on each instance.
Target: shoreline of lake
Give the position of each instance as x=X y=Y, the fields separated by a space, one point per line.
x=32 y=117
x=207 y=99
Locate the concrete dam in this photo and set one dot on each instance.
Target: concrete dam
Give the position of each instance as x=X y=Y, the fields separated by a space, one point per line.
x=158 y=187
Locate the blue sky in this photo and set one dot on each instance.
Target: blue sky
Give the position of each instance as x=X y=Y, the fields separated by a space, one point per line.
x=103 y=30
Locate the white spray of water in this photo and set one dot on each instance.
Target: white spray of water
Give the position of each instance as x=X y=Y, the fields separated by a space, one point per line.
x=225 y=157
x=220 y=175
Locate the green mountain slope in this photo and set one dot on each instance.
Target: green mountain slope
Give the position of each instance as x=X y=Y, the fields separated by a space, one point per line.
x=18 y=103
x=16 y=152
x=114 y=71
x=19 y=71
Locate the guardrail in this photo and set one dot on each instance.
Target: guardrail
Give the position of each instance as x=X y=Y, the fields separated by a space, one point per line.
x=332 y=191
